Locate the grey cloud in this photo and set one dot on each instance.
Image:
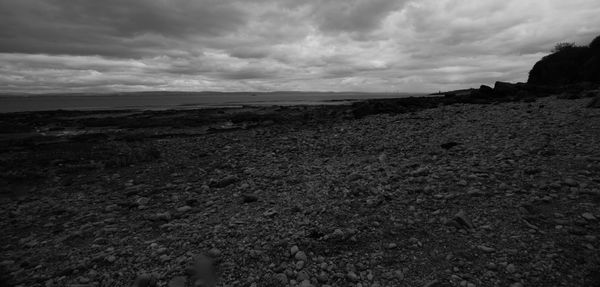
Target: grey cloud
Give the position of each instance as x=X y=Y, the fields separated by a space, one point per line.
x=355 y=16
x=247 y=73
x=110 y=27
x=249 y=53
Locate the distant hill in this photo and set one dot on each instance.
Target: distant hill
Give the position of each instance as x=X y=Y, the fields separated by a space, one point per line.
x=568 y=64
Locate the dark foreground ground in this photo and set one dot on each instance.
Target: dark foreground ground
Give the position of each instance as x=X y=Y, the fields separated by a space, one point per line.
x=504 y=194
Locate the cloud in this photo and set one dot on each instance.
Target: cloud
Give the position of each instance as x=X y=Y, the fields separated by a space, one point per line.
x=353 y=16
x=112 y=27
x=366 y=45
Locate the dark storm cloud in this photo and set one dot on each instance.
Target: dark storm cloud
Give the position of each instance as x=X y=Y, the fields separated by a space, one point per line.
x=367 y=45
x=110 y=27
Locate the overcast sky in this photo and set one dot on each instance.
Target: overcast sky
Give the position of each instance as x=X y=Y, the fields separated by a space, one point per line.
x=265 y=45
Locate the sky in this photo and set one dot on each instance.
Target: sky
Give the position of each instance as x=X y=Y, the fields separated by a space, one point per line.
x=274 y=45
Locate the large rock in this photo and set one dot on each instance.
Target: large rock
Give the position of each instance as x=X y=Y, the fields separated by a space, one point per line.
x=504 y=89
x=568 y=65
x=486 y=90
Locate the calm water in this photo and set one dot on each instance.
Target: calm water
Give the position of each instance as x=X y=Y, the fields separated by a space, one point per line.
x=174 y=100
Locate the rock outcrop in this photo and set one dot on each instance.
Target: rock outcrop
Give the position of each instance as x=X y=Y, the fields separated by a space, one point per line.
x=569 y=65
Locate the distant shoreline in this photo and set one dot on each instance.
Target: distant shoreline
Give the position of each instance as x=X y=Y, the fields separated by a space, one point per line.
x=182 y=100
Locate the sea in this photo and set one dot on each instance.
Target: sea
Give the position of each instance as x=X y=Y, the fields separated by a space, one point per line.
x=180 y=100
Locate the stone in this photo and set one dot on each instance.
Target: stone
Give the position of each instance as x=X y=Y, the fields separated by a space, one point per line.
x=449 y=145
x=294 y=250
x=351 y=276
x=322 y=277
x=504 y=88
x=510 y=268
x=249 y=198
x=224 y=182
x=337 y=234
x=399 y=275
x=486 y=90
x=588 y=216
x=164 y=258
x=463 y=221
x=302 y=275
x=184 y=209
x=214 y=253
x=142 y=201
x=301 y=256
x=165 y=216
x=281 y=278
x=486 y=249
x=305 y=283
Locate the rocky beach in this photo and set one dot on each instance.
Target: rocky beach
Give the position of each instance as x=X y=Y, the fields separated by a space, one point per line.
x=276 y=143
x=487 y=189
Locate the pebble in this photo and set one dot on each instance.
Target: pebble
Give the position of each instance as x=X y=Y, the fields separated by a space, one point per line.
x=306 y=283
x=164 y=258
x=322 y=277
x=185 y=208
x=352 y=276
x=510 y=268
x=302 y=275
x=338 y=233
x=300 y=256
x=281 y=278
x=249 y=198
x=142 y=201
x=486 y=249
x=214 y=252
x=294 y=250
x=570 y=182
x=461 y=218
x=163 y=216
x=588 y=216
x=6 y=263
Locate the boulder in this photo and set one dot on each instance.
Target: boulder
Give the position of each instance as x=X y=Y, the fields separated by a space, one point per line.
x=505 y=89
x=568 y=65
x=486 y=90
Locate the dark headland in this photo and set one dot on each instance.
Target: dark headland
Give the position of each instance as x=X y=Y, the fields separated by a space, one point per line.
x=492 y=186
